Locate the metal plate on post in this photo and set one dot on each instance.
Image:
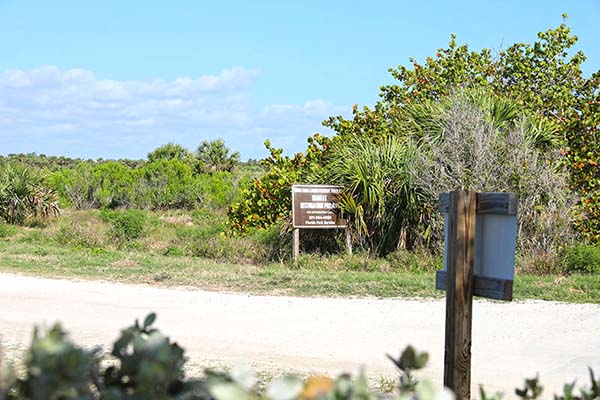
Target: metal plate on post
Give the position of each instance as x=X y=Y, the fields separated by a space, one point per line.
x=495 y=244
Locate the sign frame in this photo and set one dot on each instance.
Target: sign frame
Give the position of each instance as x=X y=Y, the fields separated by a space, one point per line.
x=326 y=210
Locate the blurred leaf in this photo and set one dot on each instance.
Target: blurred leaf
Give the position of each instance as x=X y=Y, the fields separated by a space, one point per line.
x=285 y=388
x=149 y=320
x=228 y=391
x=244 y=376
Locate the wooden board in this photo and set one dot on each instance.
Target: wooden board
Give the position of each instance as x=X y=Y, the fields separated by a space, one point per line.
x=491 y=288
x=488 y=203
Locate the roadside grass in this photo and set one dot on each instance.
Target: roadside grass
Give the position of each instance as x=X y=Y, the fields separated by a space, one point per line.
x=34 y=257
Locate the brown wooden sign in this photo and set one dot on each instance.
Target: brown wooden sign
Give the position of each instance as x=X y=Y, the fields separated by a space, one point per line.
x=315 y=207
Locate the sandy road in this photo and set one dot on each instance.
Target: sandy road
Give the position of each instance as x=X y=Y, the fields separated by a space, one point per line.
x=510 y=340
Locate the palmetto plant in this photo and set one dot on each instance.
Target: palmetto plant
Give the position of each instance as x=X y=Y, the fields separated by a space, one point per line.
x=215 y=156
x=23 y=196
x=379 y=200
x=428 y=119
x=472 y=140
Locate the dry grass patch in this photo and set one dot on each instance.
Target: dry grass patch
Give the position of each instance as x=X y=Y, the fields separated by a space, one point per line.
x=184 y=219
x=125 y=263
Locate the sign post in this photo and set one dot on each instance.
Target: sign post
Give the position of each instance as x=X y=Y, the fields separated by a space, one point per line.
x=479 y=254
x=315 y=207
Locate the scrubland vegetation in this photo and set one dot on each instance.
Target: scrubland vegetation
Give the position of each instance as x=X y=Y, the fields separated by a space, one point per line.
x=525 y=120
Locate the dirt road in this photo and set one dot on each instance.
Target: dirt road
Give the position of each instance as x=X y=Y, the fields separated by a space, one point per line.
x=511 y=341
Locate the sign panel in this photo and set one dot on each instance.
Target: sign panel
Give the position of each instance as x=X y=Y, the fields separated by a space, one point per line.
x=315 y=207
x=495 y=245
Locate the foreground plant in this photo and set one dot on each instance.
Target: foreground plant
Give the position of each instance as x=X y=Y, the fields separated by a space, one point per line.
x=145 y=364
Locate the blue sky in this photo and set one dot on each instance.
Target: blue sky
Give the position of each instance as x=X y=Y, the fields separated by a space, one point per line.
x=118 y=78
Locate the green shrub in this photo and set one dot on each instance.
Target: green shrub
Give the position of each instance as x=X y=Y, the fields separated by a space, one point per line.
x=145 y=364
x=56 y=368
x=173 y=251
x=33 y=236
x=583 y=258
x=165 y=184
x=126 y=225
x=81 y=236
x=112 y=182
x=7 y=230
x=267 y=200
x=76 y=187
x=220 y=189
x=417 y=260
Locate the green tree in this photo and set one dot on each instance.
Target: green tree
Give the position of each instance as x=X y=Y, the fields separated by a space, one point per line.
x=171 y=151
x=544 y=79
x=112 y=183
x=214 y=156
x=268 y=199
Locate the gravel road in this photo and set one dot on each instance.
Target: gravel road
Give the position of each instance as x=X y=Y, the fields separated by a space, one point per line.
x=511 y=341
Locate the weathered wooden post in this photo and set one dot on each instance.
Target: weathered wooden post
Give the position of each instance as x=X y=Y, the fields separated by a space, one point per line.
x=479 y=254
x=296 y=245
x=459 y=292
x=348 y=241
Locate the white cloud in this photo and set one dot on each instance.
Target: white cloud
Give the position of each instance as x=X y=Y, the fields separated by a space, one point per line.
x=72 y=112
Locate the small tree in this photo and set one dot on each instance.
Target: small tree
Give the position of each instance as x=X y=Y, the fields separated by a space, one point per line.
x=170 y=151
x=214 y=156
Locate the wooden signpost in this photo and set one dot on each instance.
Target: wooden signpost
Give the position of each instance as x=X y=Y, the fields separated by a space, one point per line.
x=315 y=207
x=479 y=253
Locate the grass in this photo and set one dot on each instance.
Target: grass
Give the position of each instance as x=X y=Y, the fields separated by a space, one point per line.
x=38 y=259
x=136 y=267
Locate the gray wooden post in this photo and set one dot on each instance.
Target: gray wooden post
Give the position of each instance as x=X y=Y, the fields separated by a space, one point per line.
x=348 y=241
x=296 y=245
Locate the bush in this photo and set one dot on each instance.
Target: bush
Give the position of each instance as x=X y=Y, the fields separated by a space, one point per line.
x=82 y=235
x=583 y=258
x=220 y=189
x=126 y=225
x=173 y=251
x=7 y=230
x=474 y=152
x=164 y=184
x=56 y=368
x=145 y=364
x=267 y=200
x=23 y=196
